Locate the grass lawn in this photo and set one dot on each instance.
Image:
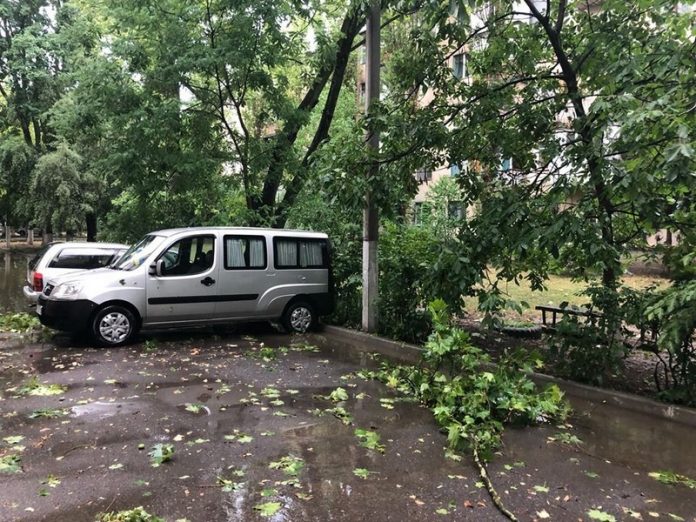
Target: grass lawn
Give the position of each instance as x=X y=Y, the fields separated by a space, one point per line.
x=559 y=289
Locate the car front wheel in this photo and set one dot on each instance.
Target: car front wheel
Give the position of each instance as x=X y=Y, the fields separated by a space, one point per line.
x=113 y=326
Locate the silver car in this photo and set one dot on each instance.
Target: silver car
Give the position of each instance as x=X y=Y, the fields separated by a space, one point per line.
x=57 y=259
x=197 y=276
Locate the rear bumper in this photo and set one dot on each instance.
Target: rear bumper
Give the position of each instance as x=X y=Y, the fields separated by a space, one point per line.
x=30 y=294
x=68 y=316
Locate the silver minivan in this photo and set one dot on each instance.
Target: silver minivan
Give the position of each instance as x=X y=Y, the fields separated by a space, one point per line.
x=197 y=276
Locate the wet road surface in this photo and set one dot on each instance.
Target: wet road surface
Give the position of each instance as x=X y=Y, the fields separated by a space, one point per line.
x=247 y=416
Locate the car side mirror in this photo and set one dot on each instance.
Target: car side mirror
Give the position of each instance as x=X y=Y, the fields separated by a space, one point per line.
x=155 y=268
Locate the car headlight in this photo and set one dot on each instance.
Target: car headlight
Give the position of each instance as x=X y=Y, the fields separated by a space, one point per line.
x=66 y=291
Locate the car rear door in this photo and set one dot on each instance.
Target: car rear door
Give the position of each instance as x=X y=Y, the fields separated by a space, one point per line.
x=244 y=275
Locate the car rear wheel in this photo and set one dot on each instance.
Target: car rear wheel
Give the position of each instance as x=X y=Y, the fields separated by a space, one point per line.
x=299 y=317
x=113 y=326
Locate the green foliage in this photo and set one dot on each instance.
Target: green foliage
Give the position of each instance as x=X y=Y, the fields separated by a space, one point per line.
x=19 y=322
x=369 y=439
x=34 y=387
x=48 y=413
x=406 y=255
x=671 y=478
x=268 y=509
x=670 y=315
x=289 y=464
x=161 y=453
x=10 y=463
x=471 y=399
x=131 y=515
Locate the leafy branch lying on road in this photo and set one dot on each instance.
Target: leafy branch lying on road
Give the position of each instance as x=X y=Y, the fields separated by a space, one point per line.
x=472 y=400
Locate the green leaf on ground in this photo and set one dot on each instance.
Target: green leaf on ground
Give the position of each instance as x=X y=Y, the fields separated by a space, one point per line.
x=671 y=478
x=290 y=465
x=269 y=492
x=132 y=515
x=541 y=489
x=229 y=485
x=161 y=453
x=51 y=481
x=268 y=509
x=596 y=514
x=48 y=413
x=193 y=407
x=13 y=439
x=369 y=439
x=10 y=464
x=36 y=388
x=270 y=392
x=565 y=438
x=338 y=395
x=361 y=472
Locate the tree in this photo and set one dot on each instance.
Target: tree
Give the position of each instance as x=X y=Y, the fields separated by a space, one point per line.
x=592 y=105
x=60 y=190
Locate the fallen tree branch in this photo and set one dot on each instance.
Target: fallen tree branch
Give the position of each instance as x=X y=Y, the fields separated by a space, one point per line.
x=495 y=497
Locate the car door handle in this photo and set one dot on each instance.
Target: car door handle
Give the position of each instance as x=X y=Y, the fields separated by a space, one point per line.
x=208 y=281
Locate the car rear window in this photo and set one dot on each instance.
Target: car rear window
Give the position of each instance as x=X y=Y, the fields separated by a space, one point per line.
x=37 y=257
x=85 y=258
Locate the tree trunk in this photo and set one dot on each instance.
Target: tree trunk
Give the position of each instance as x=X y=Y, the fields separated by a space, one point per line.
x=91 y=220
x=8 y=236
x=30 y=235
x=48 y=234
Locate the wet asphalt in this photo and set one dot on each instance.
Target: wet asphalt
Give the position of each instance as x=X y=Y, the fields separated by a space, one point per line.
x=233 y=406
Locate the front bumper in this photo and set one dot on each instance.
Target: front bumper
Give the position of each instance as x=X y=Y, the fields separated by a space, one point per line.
x=68 y=316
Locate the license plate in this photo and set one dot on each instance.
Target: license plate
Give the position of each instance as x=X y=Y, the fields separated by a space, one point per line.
x=39 y=308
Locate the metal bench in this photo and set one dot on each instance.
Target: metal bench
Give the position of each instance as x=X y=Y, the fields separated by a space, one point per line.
x=557 y=310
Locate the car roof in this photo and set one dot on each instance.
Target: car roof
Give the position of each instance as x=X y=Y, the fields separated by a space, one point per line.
x=85 y=244
x=275 y=231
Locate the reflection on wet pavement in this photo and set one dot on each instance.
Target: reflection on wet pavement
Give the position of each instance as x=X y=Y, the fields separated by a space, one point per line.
x=13 y=271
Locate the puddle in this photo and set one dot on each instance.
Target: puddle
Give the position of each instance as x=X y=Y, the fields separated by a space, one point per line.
x=13 y=272
x=96 y=411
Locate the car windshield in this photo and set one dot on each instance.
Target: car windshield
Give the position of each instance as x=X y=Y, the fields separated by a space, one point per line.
x=138 y=253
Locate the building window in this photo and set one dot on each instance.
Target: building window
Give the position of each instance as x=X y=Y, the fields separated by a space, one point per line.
x=455 y=210
x=506 y=165
x=363 y=93
x=363 y=55
x=458 y=168
x=424 y=175
x=418 y=210
x=459 y=65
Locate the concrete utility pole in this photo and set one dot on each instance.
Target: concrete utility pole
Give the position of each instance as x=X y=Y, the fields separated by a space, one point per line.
x=370 y=213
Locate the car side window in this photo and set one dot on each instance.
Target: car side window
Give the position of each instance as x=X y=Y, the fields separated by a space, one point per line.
x=189 y=256
x=245 y=253
x=300 y=253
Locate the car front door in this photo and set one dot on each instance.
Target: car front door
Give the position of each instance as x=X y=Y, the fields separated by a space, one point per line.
x=186 y=288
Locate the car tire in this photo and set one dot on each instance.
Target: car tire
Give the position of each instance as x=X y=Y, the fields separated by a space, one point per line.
x=299 y=317
x=113 y=326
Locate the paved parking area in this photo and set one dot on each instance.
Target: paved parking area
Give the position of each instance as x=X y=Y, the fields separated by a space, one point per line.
x=257 y=435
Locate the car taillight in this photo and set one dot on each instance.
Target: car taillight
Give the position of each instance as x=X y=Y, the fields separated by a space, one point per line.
x=38 y=282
